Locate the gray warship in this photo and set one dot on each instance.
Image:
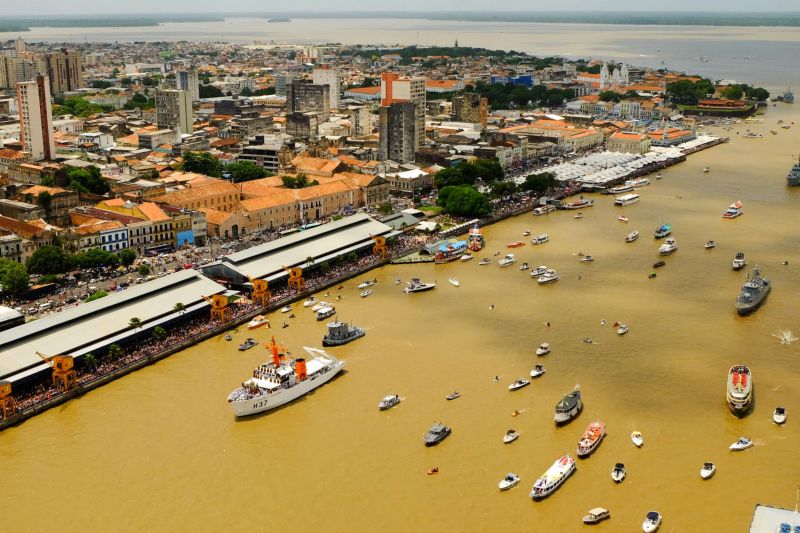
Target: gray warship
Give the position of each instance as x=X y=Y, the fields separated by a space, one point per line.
x=340 y=333
x=793 y=178
x=754 y=292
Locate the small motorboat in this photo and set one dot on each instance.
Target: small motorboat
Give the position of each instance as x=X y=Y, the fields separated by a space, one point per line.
x=366 y=293
x=637 y=439
x=398 y=281
x=526 y=233
x=578 y=215
x=742 y=444
x=550 y=276
x=453 y=395
x=538 y=271
x=286 y=309
x=739 y=262
x=485 y=261
x=524 y=266
x=618 y=473
x=632 y=236
x=652 y=275
x=537 y=371
x=518 y=384
x=659 y=176
x=432 y=471
x=366 y=284
x=706 y=170
x=228 y=337
x=388 y=402
x=670 y=246
x=454 y=282
x=651 y=522
x=710 y=245
x=514 y=413
x=708 y=470
x=309 y=302
x=257 y=322
x=515 y=244
x=466 y=257
x=586 y=259
x=543 y=349
x=511 y=480
x=623 y=218
x=247 y=344
x=508 y=260
x=510 y=436
x=779 y=416
x=658 y=264
x=598 y=514
x=319 y=305
x=622 y=330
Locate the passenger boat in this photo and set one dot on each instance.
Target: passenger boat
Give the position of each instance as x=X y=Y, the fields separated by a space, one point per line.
x=618 y=473
x=754 y=293
x=524 y=266
x=282 y=380
x=550 y=276
x=319 y=305
x=466 y=257
x=708 y=470
x=257 y=322
x=449 y=252
x=637 y=439
x=340 y=333
x=309 y=302
x=326 y=312
x=553 y=478
x=544 y=210
x=436 y=434
x=366 y=293
x=247 y=344
x=286 y=309
x=537 y=371
x=651 y=522
x=670 y=246
x=623 y=218
x=598 y=514
x=538 y=271
x=453 y=395
x=475 y=240
x=734 y=210
x=366 y=284
x=577 y=204
x=626 y=199
x=710 y=245
x=779 y=416
x=637 y=183
x=541 y=239
x=742 y=444
x=632 y=236
x=510 y=436
x=569 y=406
x=543 y=349
x=388 y=402
x=739 y=389
x=511 y=480
x=662 y=231
x=485 y=261
x=619 y=189
x=515 y=244
x=518 y=384
x=622 y=330
x=454 y=282
x=739 y=261
x=508 y=260
x=591 y=438
x=415 y=285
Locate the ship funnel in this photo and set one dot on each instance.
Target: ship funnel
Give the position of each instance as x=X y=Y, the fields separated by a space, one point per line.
x=300 y=369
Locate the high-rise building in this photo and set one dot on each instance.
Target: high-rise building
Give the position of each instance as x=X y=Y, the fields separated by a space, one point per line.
x=36 y=118
x=471 y=107
x=282 y=79
x=325 y=75
x=187 y=80
x=64 y=68
x=308 y=98
x=14 y=70
x=398 y=141
x=174 y=110
x=19 y=46
x=396 y=89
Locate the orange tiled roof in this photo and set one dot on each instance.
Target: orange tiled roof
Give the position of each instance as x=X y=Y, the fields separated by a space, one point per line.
x=215 y=217
x=275 y=198
x=153 y=212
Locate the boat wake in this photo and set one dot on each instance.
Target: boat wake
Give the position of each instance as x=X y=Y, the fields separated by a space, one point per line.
x=785 y=337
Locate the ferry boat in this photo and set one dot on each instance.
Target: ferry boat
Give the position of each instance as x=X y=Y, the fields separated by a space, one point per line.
x=670 y=246
x=508 y=260
x=340 y=333
x=553 y=478
x=544 y=210
x=619 y=189
x=793 y=178
x=577 y=204
x=540 y=239
x=598 y=514
x=475 y=240
x=734 y=210
x=257 y=322
x=740 y=390
x=591 y=439
x=247 y=344
x=664 y=230
x=739 y=261
x=632 y=236
x=449 y=252
x=515 y=244
x=638 y=182
x=550 y=276
x=282 y=380
x=569 y=406
x=754 y=291
x=416 y=285
x=326 y=312
x=626 y=199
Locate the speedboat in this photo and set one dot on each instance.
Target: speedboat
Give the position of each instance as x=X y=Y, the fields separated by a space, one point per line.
x=632 y=236
x=739 y=262
x=524 y=266
x=550 y=276
x=553 y=477
x=710 y=244
x=622 y=330
x=388 y=402
x=319 y=305
x=365 y=284
x=637 y=439
x=706 y=170
x=366 y=293
x=286 y=309
x=515 y=244
x=510 y=436
x=543 y=349
x=662 y=231
x=453 y=395
x=538 y=271
x=526 y=233
x=454 y=282
x=586 y=259
x=537 y=371
x=651 y=522
x=658 y=264
x=598 y=514
x=518 y=384
x=578 y=215
x=309 y=302
x=436 y=434
x=398 y=281
x=511 y=480
x=257 y=322
x=623 y=218
x=670 y=246
x=416 y=285
x=247 y=344
x=591 y=438
x=708 y=470
x=541 y=239
x=485 y=261
x=618 y=473
x=659 y=176
x=466 y=257
x=742 y=444
x=228 y=337
x=508 y=260
x=326 y=312
x=779 y=416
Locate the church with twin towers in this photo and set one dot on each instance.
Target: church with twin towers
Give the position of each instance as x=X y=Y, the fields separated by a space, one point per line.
x=620 y=76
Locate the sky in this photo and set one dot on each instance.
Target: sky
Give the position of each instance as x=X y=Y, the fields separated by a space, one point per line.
x=83 y=7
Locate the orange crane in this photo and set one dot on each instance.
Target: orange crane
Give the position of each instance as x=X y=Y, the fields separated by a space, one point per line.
x=219 y=307
x=261 y=293
x=8 y=405
x=64 y=375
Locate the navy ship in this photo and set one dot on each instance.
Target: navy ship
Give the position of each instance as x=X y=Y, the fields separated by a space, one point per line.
x=793 y=178
x=340 y=333
x=754 y=292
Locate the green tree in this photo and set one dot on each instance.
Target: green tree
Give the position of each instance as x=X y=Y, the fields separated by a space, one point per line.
x=13 y=277
x=115 y=352
x=246 y=171
x=733 y=92
x=87 y=180
x=45 y=199
x=464 y=200
x=610 y=96
x=540 y=183
x=95 y=258
x=209 y=91
x=89 y=361
x=688 y=92
x=49 y=260
x=96 y=295
x=298 y=182
x=127 y=256
x=179 y=308
x=500 y=189
x=385 y=208
x=159 y=333
x=135 y=323
x=143 y=270
x=202 y=163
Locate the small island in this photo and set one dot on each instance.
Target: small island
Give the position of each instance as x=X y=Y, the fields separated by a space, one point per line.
x=279 y=20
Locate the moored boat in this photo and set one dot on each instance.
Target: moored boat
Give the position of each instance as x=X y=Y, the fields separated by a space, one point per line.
x=577 y=204
x=540 y=239
x=710 y=244
x=449 y=252
x=544 y=210
x=515 y=244
x=754 y=292
x=708 y=470
x=619 y=189
x=511 y=480
x=591 y=438
x=632 y=236
x=454 y=282
x=485 y=261
x=466 y=257
x=793 y=178
x=508 y=260
x=326 y=312
x=626 y=199
x=453 y=395
x=309 y=302
x=319 y=305
x=733 y=211
x=598 y=514
x=247 y=344
x=257 y=322
x=637 y=183
x=739 y=389
x=553 y=478
x=618 y=473
x=286 y=309
x=670 y=246
x=543 y=349
x=662 y=231
x=550 y=276
x=526 y=233
x=637 y=439
x=538 y=271
x=366 y=293
x=569 y=406
x=475 y=240
x=622 y=329
x=436 y=434
x=366 y=284
x=586 y=259
x=524 y=266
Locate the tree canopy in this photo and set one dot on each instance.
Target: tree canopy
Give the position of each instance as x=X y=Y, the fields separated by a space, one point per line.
x=610 y=96
x=13 y=277
x=739 y=90
x=463 y=200
x=86 y=180
x=95 y=258
x=467 y=173
x=539 y=183
x=688 y=92
x=245 y=171
x=80 y=107
x=519 y=96
x=298 y=182
x=49 y=260
x=202 y=163
x=209 y=91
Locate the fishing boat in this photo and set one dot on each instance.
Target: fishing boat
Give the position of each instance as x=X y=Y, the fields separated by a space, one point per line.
x=286 y=309
x=598 y=514
x=632 y=236
x=515 y=244
x=283 y=379
x=734 y=210
x=453 y=395
x=416 y=285
x=618 y=473
x=475 y=240
x=319 y=305
x=662 y=231
x=739 y=389
x=708 y=470
x=454 y=282
x=466 y=257
x=436 y=434
x=754 y=293
x=739 y=261
x=485 y=261
x=540 y=239
x=388 y=402
x=637 y=439
x=518 y=384
x=569 y=406
x=366 y=284
x=247 y=344
x=340 y=333
x=591 y=438
x=511 y=480
x=550 y=276
x=651 y=522
x=710 y=245
x=366 y=293
x=577 y=204
x=309 y=302
x=508 y=260
x=544 y=210
x=742 y=444
x=622 y=330
x=257 y=322
x=537 y=371
x=779 y=415
x=325 y=312
x=538 y=271
x=670 y=246
x=553 y=478
x=510 y=436
x=623 y=218
x=543 y=349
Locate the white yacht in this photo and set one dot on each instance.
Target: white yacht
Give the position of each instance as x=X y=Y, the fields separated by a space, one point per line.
x=511 y=480
x=415 y=285
x=537 y=371
x=543 y=349
x=309 y=302
x=538 y=271
x=366 y=284
x=541 y=239
x=651 y=522
x=638 y=182
x=553 y=477
x=508 y=260
x=319 y=305
x=632 y=236
x=670 y=246
x=286 y=309
x=550 y=276
x=708 y=470
x=619 y=189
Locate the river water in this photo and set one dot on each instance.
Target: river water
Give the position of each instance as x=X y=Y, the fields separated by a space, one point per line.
x=160 y=449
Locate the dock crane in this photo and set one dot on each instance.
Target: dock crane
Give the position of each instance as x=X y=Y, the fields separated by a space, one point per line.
x=219 y=307
x=64 y=375
x=380 y=248
x=296 y=279
x=8 y=405
x=261 y=293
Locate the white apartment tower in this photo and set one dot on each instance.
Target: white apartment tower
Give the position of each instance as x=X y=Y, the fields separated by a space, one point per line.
x=187 y=80
x=36 y=118
x=174 y=110
x=325 y=75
